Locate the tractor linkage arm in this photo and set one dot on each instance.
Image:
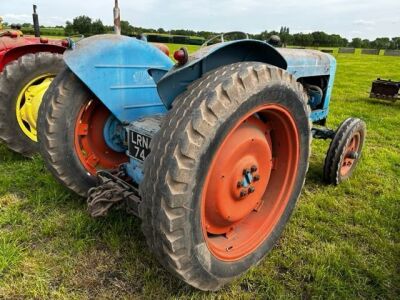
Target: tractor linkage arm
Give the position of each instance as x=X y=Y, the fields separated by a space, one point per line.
x=113 y=190
x=322 y=133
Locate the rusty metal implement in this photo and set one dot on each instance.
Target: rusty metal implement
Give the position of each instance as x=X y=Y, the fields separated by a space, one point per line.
x=385 y=89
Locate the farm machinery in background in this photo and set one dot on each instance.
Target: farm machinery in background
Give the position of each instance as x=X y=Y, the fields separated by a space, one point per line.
x=27 y=67
x=385 y=89
x=211 y=152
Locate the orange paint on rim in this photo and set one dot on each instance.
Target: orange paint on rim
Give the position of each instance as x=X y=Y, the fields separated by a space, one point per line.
x=90 y=146
x=249 y=182
x=349 y=159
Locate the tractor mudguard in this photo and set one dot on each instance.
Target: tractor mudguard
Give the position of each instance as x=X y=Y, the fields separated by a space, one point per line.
x=211 y=57
x=300 y=63
x=116 y=69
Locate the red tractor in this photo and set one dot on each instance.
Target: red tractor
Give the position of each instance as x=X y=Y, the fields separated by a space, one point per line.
x=27 y=67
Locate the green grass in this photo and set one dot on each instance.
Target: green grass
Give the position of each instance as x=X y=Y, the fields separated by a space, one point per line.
x=341 y=243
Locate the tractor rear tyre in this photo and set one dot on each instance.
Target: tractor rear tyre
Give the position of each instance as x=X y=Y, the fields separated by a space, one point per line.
x=22 y=85
x=344 y=151
x=225 y=172
x=70 y=133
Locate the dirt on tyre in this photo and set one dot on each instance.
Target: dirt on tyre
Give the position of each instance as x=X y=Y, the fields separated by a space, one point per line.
x=344 y=151
x=225 y=172
x=70 y=134
x=23 y=83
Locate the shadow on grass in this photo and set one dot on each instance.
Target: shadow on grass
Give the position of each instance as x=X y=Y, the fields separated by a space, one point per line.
x=6 y=155
x=315 y=173
x=387 y=103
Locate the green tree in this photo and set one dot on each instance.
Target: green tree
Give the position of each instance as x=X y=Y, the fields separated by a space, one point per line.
x=98 y=27
x=69 y=28
x=82 y=25
x=126 y=28
x=356 y=43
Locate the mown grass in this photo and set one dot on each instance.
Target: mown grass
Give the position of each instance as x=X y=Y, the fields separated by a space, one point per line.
x=342 y=242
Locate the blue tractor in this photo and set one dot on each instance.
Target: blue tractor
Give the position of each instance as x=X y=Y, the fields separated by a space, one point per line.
x=210 y=152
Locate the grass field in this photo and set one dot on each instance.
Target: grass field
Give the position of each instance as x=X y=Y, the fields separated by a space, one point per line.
x=341 y=243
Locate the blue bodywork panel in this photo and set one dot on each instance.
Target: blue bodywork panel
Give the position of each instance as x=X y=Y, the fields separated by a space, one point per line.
x=212 y=57
x=301 y=63
x=116 y=69
x=312 y=63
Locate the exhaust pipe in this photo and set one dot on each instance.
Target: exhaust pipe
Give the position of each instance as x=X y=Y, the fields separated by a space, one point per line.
x=117 y=19
x=36 y=21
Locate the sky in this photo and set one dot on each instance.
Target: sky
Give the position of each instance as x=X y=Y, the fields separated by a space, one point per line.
x=349 y=18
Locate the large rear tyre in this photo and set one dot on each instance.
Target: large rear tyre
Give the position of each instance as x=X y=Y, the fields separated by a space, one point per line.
x=71 y=141
x=22 y=85
x=225 y=172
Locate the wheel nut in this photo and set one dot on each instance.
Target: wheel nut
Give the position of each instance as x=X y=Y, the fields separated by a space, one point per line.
x=239 y=184
x=243 y=193
x=353 y=155
x=253 y=168
x=251 y=189
x=256 y=177
x=246 y=171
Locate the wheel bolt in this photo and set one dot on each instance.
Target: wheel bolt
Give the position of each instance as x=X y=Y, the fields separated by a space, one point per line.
x=239 y=184
x=246 y=171
x=243 y=193
x=353 y=155
x=251 y=189
x=253 y=168
x=256 y=177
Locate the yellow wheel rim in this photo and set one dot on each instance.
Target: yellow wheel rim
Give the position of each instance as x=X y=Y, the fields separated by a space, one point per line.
x=28 y=104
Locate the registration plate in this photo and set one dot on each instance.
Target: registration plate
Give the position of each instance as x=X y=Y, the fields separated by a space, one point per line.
x=139 y=145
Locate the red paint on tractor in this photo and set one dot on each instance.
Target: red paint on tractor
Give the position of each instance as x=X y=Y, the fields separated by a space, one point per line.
x=249 y=182
x=11 y=48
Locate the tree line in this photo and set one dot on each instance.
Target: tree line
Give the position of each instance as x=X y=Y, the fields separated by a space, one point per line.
x=86 y=26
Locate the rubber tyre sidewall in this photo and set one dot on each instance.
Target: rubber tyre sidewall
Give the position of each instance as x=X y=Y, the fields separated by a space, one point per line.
x=76 y=97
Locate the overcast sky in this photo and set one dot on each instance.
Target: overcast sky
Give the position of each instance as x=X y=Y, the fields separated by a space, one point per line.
x=349 y=18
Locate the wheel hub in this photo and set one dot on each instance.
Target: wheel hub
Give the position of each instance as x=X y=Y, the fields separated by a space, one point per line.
x=249 y=182
x=351 y=154
x=28 y=103
x=233 y=192
x=90 y=145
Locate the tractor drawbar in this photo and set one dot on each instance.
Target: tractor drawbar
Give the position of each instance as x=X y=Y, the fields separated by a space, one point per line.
x=113 y=190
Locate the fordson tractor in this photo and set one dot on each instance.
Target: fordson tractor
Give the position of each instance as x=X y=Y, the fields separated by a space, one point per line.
x=27 y=67
x=211 y=152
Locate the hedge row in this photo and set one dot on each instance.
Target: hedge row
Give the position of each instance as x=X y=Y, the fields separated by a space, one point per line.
x=44 y=31
x=174 y=39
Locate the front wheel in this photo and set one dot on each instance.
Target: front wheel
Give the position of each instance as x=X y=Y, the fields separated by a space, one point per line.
x=344 y=151
x=71 y=126
x=225 y=172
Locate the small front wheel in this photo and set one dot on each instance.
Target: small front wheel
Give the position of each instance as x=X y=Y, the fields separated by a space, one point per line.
x=344 y=151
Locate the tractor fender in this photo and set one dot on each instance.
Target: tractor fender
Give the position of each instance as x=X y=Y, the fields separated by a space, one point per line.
x=116 y=70
x=211 y=57
x=14 y=53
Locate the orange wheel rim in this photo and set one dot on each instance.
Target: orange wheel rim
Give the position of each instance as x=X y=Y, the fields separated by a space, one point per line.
x=90 y=145
x=350 y=154
x=249 y=182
